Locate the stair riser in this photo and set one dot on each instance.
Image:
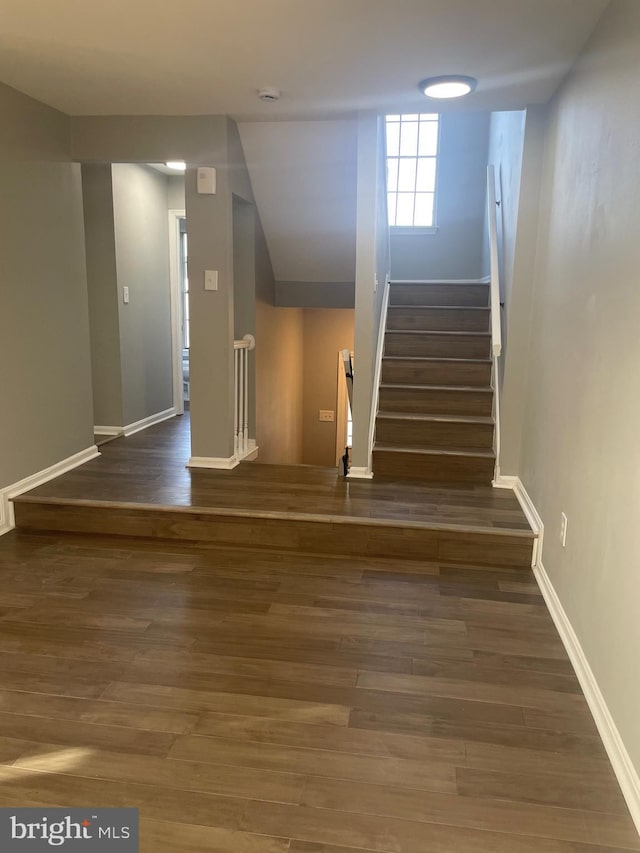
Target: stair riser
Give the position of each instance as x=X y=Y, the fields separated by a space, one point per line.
x=445 y=546
x=436 y=346
x=436 y=373
x=439 y=319
x=435 y=402
x=439 y=294
x=403 y=433
x=433 y=468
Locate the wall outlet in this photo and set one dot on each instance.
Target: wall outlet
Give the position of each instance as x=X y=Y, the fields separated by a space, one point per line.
x=563 y=529
x=125 y=295
x=326 y=415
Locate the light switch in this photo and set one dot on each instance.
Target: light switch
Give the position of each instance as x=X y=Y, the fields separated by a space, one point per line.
x=125 y=295
x=211 y=279
x=206 y=180
x=326 y=415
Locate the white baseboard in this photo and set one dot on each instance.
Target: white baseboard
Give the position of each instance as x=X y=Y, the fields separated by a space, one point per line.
x=503 y=481
x=7 y=519
x=130 y=429
x=108 y=430
x=359 y=473
x=225 y=463
x=221 y=463
x=626 y=774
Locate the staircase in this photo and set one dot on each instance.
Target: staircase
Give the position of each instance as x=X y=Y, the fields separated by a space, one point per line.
x=434 y=421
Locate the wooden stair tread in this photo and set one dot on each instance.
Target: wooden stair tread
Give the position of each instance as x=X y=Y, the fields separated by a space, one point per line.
x=435 y=451
x=401 y=307
x=443 y=418
x=443 y=332
x=430 y=359
x=485 y=389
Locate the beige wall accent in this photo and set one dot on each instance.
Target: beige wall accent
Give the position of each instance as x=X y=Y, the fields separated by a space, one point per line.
x=456 y=249
x=279 y=356
x=326 y=332
x=45 y=374
x=315 y=294
x=580 y=451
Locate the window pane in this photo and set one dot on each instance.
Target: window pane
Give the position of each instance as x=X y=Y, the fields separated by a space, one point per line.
x=391 y=203
x=393 y=139
x=410 y=117
x=393 y=118
x=404 y=215
x=429 y=117
x=409 y=139
x=428 y=139
x=407 y=175
x=392 y=174
x=426 y=181
x=424 y=209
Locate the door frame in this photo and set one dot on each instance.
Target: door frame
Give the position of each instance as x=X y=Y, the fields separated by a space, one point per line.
x=176 y=308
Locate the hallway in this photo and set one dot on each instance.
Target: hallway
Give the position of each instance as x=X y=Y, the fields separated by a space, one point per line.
x=263 y=702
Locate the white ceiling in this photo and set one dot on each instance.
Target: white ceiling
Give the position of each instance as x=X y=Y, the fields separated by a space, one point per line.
x=328 y=57
x=303 y=176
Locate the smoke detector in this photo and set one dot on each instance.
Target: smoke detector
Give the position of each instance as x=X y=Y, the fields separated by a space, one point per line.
x=268 y=94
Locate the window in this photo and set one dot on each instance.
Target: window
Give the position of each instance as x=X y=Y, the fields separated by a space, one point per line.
x=412 y=152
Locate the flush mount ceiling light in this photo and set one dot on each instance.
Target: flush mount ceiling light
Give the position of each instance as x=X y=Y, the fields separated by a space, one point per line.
x=177 y=165
x=447 y=86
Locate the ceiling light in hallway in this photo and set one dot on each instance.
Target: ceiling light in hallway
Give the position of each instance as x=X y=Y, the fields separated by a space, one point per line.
x=177 y=165
x=448 y=86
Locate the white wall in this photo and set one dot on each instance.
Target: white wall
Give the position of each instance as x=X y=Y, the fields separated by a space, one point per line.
x=580 y=451
x=372 y=264
x=303 y=175
x=456 y=249
x=516 y=151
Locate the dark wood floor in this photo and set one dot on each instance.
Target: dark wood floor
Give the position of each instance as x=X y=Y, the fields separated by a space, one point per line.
x=254 y=702
x=143 y=482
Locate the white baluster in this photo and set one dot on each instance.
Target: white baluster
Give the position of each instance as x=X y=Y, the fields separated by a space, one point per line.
x=245 y=434
x=235 y=403
x=241 y=403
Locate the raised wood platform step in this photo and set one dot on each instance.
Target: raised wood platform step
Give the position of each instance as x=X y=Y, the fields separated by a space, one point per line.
x=418 y=370
x=439 y=293
x=402 y=429
x=435 y=399
x=446 y=318
x=411 y=342
x=433 y=465
x=289 y=532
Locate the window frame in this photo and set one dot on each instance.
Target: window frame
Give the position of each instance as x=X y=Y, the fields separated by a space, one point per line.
x=417 y=230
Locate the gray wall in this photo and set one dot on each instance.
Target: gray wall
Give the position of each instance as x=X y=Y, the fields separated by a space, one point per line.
x=102 y=285
x=372 y=264
x=455 y=250
x=516 y=151
x=175 y=192
x=199 y=141
x=141 y=228
x=580 y=451
x=45 y=374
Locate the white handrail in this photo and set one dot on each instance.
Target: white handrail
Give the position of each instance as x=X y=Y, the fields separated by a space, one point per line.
x=494 y=258
x=496 y=319
x=241 y=351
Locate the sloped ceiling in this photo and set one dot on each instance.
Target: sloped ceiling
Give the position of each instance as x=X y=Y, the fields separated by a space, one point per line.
x=304 y=180
x=328 y=57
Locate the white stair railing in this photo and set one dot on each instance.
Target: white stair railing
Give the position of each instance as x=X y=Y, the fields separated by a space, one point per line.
x=496 y=318
x=241 y=350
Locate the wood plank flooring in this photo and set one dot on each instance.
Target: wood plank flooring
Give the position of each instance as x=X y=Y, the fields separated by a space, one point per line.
x=263 y=702
x=140 y=486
